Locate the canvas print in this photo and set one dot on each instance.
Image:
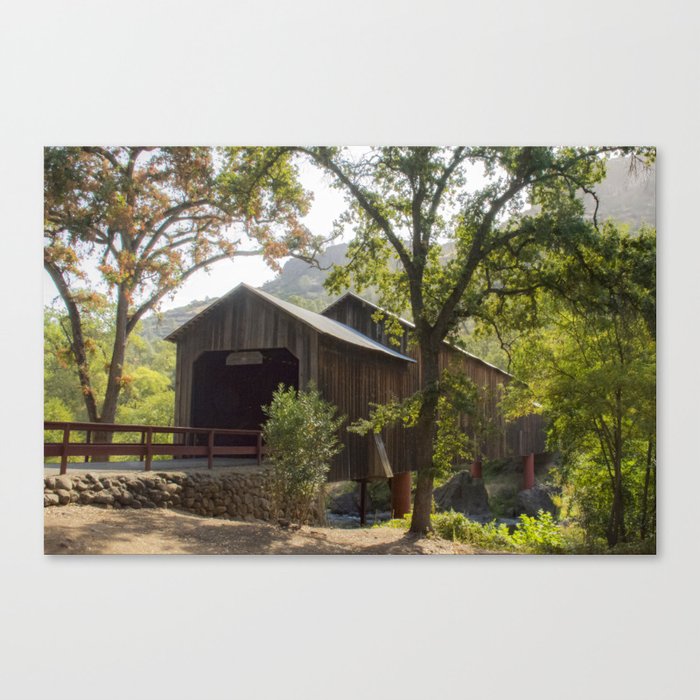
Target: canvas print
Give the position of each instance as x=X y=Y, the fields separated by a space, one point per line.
x=350 y=350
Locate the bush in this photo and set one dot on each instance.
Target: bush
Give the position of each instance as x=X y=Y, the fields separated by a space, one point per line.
x=458 y=528
x=301 y=437
x=539 y=535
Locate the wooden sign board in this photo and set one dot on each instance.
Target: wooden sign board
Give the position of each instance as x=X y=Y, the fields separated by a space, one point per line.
x=249 y=357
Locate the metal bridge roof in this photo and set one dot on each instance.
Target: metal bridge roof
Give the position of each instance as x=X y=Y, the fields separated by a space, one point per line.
x=409 y=324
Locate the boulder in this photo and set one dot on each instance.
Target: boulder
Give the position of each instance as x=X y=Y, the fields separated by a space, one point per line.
x=530 y=501
x=125 y=498
x=463 y=494
x=345 y=504
x=50 y=499
x=64 y=483
x=378 y=499
x=63 y=496
x=104 y=497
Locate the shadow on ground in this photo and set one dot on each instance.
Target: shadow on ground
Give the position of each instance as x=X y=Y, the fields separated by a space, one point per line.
x=90 y=530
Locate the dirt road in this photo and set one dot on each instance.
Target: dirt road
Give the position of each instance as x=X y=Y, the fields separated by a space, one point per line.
x=77 y=529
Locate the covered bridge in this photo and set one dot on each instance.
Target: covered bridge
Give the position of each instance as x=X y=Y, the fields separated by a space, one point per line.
x=234 y=354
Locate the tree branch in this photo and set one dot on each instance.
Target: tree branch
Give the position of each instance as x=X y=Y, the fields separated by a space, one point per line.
x=78 y=341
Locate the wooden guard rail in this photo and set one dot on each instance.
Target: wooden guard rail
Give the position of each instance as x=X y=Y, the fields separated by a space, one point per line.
x=147 y=448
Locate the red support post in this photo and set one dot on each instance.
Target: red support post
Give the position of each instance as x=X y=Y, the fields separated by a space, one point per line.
x=477 y=469
x=528 y=471
x=401 y=494
x=259 y=449
x=88 y=440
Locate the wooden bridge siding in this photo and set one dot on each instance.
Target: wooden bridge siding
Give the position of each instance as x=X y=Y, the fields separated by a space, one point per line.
x=348 y=376
x=505 y=439
x=351 y=379
x=526 y=434
x=490 y=383
x=246 y=322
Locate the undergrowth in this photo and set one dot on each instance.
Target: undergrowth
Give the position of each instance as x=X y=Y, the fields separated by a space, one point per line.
x=532 y=535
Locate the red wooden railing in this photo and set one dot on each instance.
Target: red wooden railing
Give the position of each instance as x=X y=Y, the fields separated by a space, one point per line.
x=147 y=449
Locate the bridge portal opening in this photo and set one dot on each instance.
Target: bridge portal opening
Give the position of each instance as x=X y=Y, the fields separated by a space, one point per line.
x=230 y=388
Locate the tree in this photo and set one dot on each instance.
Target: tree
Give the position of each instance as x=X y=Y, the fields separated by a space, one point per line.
x=590 y=364
x=407 y=204
x=126 y=226
x=148 y=374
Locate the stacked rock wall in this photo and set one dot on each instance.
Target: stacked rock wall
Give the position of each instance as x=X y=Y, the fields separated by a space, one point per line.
x=236 y=495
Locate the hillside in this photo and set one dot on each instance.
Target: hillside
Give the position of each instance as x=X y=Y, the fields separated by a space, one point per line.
x=625 y=197
x=299 y=279
x=159 y=325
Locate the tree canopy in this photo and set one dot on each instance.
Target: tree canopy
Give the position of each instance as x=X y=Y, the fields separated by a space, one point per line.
x=499 y=210
x=126 y=226
x=589 y=362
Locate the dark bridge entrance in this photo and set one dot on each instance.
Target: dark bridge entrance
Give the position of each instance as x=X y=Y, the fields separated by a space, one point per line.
x=230 y=388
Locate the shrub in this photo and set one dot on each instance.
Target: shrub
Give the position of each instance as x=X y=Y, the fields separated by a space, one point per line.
x=301 y=437
x=458 y=528
x=540 y=534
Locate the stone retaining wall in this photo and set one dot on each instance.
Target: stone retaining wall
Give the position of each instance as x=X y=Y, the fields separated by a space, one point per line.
x=235 y=495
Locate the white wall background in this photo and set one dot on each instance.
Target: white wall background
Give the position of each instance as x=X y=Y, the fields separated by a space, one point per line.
x=391 y=72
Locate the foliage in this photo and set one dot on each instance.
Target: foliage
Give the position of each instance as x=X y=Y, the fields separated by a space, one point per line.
x=147 y=393
x=590 y=365
x=532 y=535
x=458 y=528
x=124 y=227
x=301 y=435
x=538 y=534
x=458 y=399
x=405 y=204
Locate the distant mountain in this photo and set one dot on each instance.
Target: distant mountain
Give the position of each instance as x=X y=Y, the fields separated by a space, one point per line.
x=159 y=325
x=299 y=280
x=625 y=196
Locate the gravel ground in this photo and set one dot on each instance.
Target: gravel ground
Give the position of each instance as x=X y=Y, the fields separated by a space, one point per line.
x=78 y=529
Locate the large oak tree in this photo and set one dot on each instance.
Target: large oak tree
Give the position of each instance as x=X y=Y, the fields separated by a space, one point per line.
x=126 y=226
x=495 y=210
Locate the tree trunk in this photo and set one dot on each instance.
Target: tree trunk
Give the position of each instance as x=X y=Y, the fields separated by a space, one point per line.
x=116 y=367
x=423 y=503
x=617 y=532
x=645 y=496
x=77 y=340
x=424 y=432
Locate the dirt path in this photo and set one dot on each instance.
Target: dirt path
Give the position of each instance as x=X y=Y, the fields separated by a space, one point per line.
x=77 y=529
